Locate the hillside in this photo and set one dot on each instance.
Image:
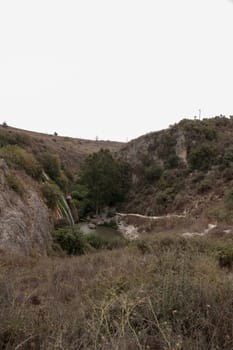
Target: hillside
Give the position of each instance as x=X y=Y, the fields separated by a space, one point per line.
x=35 y=171
x=72 y=151
x=185 y=168
x=168 y=288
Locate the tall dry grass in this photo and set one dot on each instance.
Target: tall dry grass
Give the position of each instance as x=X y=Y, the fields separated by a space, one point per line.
x=159 y=293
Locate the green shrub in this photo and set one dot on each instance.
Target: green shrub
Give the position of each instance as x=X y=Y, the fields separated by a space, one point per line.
x=97 y=242
x=201 y=158
x=219 y=213
x=205 y=185
x=52 y=166
x=21 y=159
x=153 y=173
x=75 y=243
x=12 y=138
x=111 y=224
x=79 y=192
x=70 y=240
x=228 y=157
x=51 y=193
x=15 y=183
x=171 y=162
x=226 y=258
x=81 y=200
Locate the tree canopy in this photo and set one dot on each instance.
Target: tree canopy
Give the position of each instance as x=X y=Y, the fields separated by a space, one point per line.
x=106 y=179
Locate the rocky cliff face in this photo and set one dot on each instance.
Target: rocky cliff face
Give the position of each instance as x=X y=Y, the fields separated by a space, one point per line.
x=174 y=169
x=25 y=224
x=181 y=148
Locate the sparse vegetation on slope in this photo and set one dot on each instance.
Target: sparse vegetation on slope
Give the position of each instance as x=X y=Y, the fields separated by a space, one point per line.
x=186 y=167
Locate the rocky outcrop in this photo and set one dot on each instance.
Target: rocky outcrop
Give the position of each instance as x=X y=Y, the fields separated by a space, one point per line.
x=25 y=224
x=181 y=149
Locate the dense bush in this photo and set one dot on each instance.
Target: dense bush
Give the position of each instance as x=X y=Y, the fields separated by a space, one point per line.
x=70 y=241
x=197 y=130
x=18 y=157
x=52 y=166
x=172 y=161
x=205 y=185
x=225 y=256
x=98 y=242
x=80 y=198
x=153 y=173
x=165 y=145
x=51 y=193
x=10 y=138
x=228 y=157
x=201 y=157
x=73 y=242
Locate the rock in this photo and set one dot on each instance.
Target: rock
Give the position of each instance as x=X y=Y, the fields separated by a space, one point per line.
x=25 y=224
x=181 y=150
x=91 y=226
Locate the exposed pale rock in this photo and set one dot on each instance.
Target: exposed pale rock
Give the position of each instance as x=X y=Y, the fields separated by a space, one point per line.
x=25 y=225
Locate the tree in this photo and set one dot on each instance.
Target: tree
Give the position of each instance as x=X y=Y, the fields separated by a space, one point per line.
x=106 y=179
x=202 y=157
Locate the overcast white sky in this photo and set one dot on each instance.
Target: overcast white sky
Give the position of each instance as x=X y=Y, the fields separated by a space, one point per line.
x=115 y=69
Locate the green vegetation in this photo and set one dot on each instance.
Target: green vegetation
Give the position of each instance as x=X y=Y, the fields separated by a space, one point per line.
x=7 y=137
x=105 y=179
x=163 y=292
x=81 y=199
x=51 y=194
x=72 y=242
x=52 y=166
x=201 y=158
x=15 y=183
x=19 y=158
x=228 y=157
x=174 y=170
x=172 y=161
x=153 y=173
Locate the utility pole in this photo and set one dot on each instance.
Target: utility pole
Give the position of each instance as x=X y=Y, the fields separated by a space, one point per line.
x=199 y=110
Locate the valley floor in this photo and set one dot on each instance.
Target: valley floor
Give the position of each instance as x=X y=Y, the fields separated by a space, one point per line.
x=161 y=292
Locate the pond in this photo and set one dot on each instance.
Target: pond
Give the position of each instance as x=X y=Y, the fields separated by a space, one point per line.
x=102 y=231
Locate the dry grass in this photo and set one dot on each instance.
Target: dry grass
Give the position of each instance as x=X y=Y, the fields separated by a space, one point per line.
x=72 y=151
x=162 y=293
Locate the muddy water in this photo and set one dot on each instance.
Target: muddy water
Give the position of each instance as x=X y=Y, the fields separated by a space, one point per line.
x=102 y=231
